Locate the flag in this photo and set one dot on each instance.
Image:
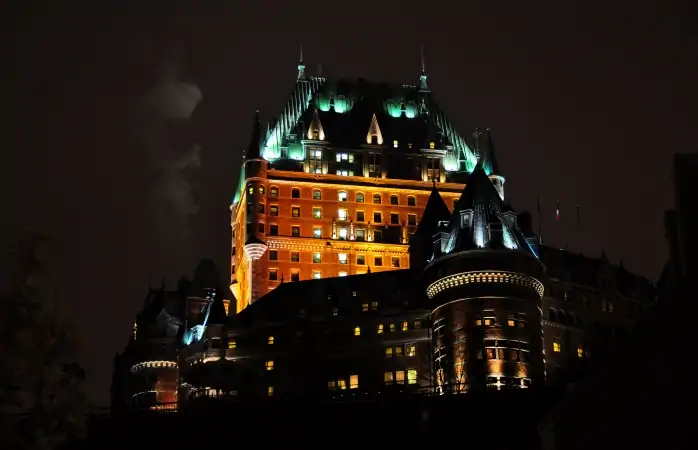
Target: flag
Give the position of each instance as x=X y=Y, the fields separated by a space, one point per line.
x=557 y=211
x=579 y=218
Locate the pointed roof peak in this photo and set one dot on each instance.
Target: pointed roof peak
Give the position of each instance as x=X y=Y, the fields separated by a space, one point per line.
x=489 y=157
x=435 y=211
x=423 y=86
x=255 y=139
x=301 y=66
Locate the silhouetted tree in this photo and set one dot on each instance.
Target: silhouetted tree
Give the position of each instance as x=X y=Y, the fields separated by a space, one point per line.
x=42 y=402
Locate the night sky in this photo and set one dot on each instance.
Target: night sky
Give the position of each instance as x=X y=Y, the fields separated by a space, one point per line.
x=130 y=121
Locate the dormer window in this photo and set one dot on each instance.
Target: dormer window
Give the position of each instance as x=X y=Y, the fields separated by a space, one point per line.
x=432 y=145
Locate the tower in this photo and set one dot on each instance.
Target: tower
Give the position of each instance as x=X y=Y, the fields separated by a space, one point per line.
x=485 y=285
x=340 y=181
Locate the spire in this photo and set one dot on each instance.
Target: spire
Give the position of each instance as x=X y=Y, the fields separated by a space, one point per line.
x=489 y=158
x=255 y=139
x=315 y=131
x=476 y=134
x=301 y=66
x=423 y=87
x=374 y=131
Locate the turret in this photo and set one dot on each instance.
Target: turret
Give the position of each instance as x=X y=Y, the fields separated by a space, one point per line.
x=485 y=285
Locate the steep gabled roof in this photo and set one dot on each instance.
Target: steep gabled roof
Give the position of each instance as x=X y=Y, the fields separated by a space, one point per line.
x=435 y=211
x=478 y=212
x=406 y=115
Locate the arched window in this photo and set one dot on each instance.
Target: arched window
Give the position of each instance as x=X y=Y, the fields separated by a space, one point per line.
x=274 y=191
x=411 y=201
x=359 y=197
x=551 y=315
x=317 y=194
x=261 y=190
x=342 y=196
x=377 y=199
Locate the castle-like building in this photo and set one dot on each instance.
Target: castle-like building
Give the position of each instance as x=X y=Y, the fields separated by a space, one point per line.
x=373 y=253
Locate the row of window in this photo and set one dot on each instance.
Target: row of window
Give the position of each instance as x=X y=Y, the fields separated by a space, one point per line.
x=343 y=233
x=557 y=348
x=342 y=259
x=342 y=196
x=342 y=214
x=401 y=350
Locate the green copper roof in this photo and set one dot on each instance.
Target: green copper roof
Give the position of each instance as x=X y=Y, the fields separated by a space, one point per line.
x=408 y=117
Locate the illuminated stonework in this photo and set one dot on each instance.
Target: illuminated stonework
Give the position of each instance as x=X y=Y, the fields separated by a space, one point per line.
x=463 y=278
x=153 y=364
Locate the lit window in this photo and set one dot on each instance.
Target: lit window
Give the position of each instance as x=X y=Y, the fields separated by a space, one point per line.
x=556 y=346
x=331 y=385
x=317 y=232
x=392 y=327
x=274 y=191
x=342 y=274
x=296 y=211
x=251 y=190
x=270 y=365
x=404 y=326
x=316 y=275
x=374 y=306
x=317 y=258
x=398 y=351
x=410 y=350
x=580 y=352
x=388 y=352
x=261 y=190
x=317 y=213
x=270 y=340
x=432 y=145
x=394 y=144
x=342 y=196
x=342 y=384
x=400 y=377
x=353 y=381
x=318 y=170
x=274 y=210
x=295 y=231
x=232 y=343
x=379 y=330
x=364 y=307
x=488 y=322
x=359 y=197
x=342 y=258
x=343 y=233
x=388 y=378
x=357 y=331
x=317 y=195
x=395 y=260
x=511 y=322
x=417 y=324
x=270 y=391
x=412 y=376
x=318 y=154
x=342 y=214
x=377 y=199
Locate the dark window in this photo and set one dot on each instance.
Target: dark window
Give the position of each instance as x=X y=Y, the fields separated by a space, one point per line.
x=377 y=218
x=359 y=198
x=411 y=219
x=260 y=208
x=395 y=218
x=378 y=261
x=360 y=260
x=360 y=216
x=295 y=276
x=260 y=227
x=273 y=230
x=411 y=201
x=394 y=200
x=273 y=275
x=295 y=231
x=273 y=255
x=295 y=193
x=377 y=199
x=295 y=256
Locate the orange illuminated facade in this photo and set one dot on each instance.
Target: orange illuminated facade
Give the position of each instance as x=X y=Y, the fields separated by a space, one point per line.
x=338 y=183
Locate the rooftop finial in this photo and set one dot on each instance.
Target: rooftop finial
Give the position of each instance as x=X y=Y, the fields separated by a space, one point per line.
x=477 y=135
x=301 y=66
x=423 y=77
